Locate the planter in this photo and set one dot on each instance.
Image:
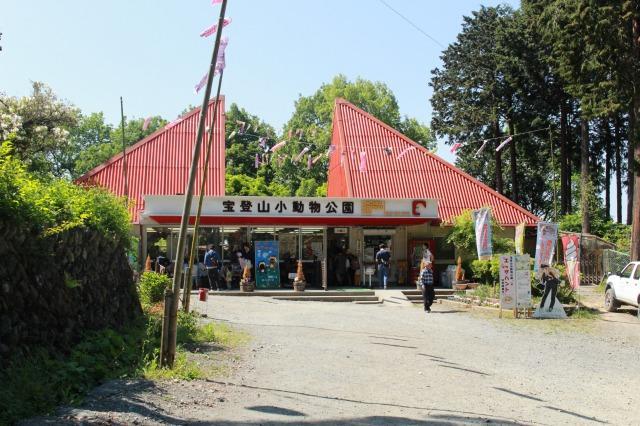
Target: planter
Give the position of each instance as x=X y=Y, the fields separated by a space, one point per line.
x=460 y=287
x=246 y=286
x=299 y=285
x=472 y=286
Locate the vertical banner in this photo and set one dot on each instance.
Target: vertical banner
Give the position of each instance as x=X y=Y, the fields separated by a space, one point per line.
x=507 y=283
x=545 y=244
x=267 y=265
x=515 y=282
x=482 y=219
x=571 y=245
x=519 y=239
x=523 y=280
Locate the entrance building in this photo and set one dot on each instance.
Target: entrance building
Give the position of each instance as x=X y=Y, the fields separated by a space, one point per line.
x=382 y=188
x=321 y=232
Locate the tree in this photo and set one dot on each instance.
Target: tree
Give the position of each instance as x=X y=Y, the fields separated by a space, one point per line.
x=310 y=126
x=470 y=99
x=41 y=124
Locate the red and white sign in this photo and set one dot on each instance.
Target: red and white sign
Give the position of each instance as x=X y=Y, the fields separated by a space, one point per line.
x=160 y=209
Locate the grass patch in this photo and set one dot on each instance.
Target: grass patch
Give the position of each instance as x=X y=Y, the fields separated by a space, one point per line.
x=585 y=314
x=35 y=382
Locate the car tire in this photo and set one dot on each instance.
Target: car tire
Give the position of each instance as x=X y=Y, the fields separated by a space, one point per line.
x=610 y=302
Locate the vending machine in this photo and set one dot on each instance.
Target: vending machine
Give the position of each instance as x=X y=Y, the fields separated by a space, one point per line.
x=414 y=251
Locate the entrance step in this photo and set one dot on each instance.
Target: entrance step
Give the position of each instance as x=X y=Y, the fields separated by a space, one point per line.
x=323 y=298
x=290 y=293
x=415 y=296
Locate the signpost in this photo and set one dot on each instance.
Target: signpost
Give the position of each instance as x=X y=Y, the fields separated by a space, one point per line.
x=515 y=283
x=267 y=264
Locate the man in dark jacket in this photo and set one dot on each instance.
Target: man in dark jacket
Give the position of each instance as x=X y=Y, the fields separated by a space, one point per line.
x=426 y=282
x=383 y=260
x=212 y=263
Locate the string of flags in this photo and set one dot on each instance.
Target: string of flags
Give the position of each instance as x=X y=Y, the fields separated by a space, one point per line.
x=502 y=144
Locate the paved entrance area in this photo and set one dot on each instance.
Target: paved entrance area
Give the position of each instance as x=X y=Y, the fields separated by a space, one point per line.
x=318 y=363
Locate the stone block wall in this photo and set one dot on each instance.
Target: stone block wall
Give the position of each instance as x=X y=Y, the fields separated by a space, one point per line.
x=52 y=289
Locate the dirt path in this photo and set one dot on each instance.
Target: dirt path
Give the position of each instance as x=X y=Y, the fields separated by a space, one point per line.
x=331 y=363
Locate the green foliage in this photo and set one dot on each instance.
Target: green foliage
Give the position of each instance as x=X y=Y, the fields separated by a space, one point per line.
x=307 y=188
x=463 y=236
x=152 y=286
x=36 y=382
x=56 y=205
x=486 y=271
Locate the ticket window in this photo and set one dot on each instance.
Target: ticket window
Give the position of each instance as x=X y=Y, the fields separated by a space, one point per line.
x=371 y=248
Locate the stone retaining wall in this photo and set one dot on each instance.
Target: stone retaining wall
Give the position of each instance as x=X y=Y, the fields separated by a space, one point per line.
x=52 y=289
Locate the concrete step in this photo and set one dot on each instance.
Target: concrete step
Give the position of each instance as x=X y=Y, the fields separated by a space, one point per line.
x=285 y=293
x=317 y=298
x=416 y=298
x=438 y=291
x=368 y=302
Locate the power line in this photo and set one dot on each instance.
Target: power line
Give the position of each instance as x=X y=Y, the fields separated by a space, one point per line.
x=412 y=24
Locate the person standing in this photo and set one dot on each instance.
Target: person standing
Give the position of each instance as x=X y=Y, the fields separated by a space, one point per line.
x=383 y=260
x=212 y=263
x=426 y=282
x=550 y=279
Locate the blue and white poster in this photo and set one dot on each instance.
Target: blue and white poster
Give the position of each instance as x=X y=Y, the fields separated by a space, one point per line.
x=267 y=264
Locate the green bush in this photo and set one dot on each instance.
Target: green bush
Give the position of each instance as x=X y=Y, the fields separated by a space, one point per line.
x=152 y=287
x=55 y=205
x=486 y=271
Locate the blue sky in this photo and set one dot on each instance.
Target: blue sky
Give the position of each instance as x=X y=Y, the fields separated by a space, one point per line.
x=150 y=53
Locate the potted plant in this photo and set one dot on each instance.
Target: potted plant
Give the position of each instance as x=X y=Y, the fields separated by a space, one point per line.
x=246 y=284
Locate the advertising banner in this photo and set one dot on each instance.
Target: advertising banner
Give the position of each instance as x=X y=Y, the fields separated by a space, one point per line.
x=482 y=220
x=515 y=282
x=267 y=264
x=571 y=245
x=519 y=239
x=545 y=244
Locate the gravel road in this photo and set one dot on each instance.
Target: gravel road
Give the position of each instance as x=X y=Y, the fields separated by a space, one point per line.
x=318 y=363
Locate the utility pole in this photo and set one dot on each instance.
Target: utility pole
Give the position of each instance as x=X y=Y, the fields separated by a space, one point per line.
x=124 y=157
x=168 y=345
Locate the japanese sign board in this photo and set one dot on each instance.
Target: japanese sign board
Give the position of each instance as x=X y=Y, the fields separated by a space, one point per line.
x=515 y=282
x=295 y=207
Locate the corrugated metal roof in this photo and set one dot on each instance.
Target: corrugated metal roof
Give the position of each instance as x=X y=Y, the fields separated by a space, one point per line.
x=159 y=164
x=417 y=174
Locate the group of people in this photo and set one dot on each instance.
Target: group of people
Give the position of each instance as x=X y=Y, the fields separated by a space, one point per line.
x=227 y=275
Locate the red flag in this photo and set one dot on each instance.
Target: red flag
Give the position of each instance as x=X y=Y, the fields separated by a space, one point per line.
x=213 y=28
x=571 y=245
x=455 y=147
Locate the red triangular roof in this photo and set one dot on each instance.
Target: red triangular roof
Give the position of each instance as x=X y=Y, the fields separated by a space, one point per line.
x=159 y=164
x=417 y=174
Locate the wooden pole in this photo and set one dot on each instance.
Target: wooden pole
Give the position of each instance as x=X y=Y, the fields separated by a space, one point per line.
x=164 y=355
x=124 y=157
x=169 y=345
x=196 y=227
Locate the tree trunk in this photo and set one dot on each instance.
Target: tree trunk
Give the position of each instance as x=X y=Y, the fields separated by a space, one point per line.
x=498 y=156
x=634 y=139
x=607 y=166
x=630 y=164
x=565 y=201
x=514 y=175
x=584 y=175
x=571 y=144
x=618 y=168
